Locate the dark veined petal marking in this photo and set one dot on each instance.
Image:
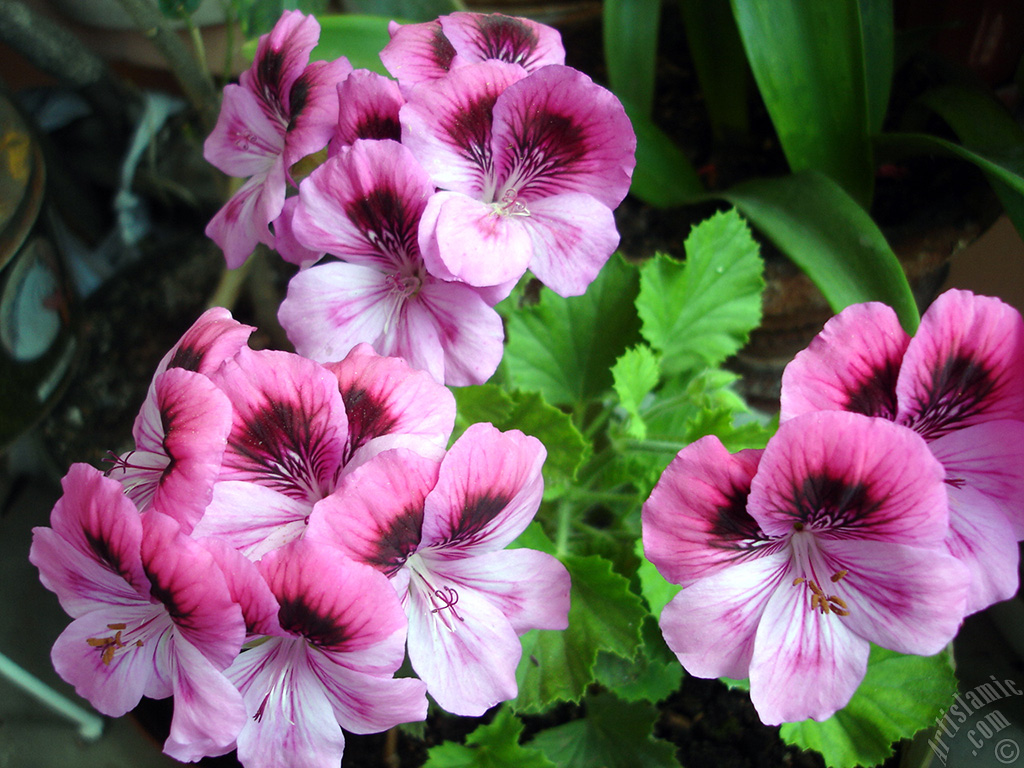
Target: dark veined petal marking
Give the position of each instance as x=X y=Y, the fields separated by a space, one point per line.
x=476 y=515
x=386 y=222
x=367 y=418
x=283 y=447
x=470 y=130
x=824 y=502
x=505 y=38
x=297 y=97
x=378 y=126
x=187 y=357
x=268 y=79
x=397 y=542
x=733 y=528
x=958 y=388
x=876 y=395
x=441 y=49
x=298 y=616
x=547 y=146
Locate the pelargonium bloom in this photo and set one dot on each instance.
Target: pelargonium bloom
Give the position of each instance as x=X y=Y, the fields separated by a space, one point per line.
x=530 y=166
x=793 y=560
x=153 y=615
x=326 y=660
x=429 y=50
x=364 y=206
x=283 y=109
x=959 y=383
x=292 y=438
x=439 y=532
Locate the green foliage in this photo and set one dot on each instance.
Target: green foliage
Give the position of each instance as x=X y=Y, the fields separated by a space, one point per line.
x=357 y=38
x=604 y=616
x=700 y=311
x=653 y=674
x=614 y=734
x=635 y=374
x=529 y=413
x=565 y=348
x=900 y=695
x=630 y=46
x=495 y=745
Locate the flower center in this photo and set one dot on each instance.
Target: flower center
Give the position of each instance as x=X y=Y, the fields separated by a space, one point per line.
x=820 y=600
x=448 y=597
x=511 y=205
x=404 y=285
x=111 y=645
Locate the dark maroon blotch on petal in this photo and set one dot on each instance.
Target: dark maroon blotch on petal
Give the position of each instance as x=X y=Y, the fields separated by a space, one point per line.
x=824 y=502
x=548 y=147
x=386 y=222
x=442 y=50
x=296 y=615
x=367 y=418
x=397 y=542
x=379 y=126
x=268 y=75
x=733 y=527
x=876 y=396
x=477 y=514
x=506 y=38
x=189 y=358
x=297 y=98
x=470 y=130
x=959 y=388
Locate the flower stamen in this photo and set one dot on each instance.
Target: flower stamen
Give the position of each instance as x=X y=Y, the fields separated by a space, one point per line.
x=824 y=602
x=449 y=597
x=111 y=645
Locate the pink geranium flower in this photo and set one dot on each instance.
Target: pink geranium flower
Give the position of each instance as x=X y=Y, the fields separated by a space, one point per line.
x=326 y=660
x=153 y=615
x=793 y=560
x=283 y=109
x=430 y=50
x=292 y=438
x=364 y=206
x=530 y=166
x=959 y=383
x=439 y=532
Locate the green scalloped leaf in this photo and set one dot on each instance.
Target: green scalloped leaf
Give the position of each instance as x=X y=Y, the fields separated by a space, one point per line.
x=614 y=734
x=653 y=674
x=565 y=347
x=635 y=374
x=899 y=696
x=495 y=745
x=604 y=616
x=700 y=311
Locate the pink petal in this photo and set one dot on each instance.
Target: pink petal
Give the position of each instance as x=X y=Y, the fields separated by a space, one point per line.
x=710 y=625
x=188 y=581
x=369 y=109
x=253 y=519
x=287 y=244
x=852 y=365
x=243 y=221
x=211 y=340
x=115 y=681
x=290 y=720
x=208 y=710
x=695 y=521
x=417 y=52
x=981 y=537
x=281 y=57
x=465 y=653
x=557 y=131
x=572 y=236
x=906 y=598
x=385 y=396
x=965 y=365
x=488 y=491
x=480 y=36
x=364 y=205
x=988 y=458
x=364 y=702
x=843 y=474
x=335 y=603
x=474 y=242
x=244 y=142
x=313 y=108
x=805 y=665
x=376 y=516
x=246 y=587
x=96 y=525
x=530 y=588
x=186 y=422
x=447 y=125
x=290 y=427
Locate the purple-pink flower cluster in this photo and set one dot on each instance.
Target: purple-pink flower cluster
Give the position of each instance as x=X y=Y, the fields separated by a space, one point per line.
x=485 y=157
x=884 y=510
x=282 y=534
